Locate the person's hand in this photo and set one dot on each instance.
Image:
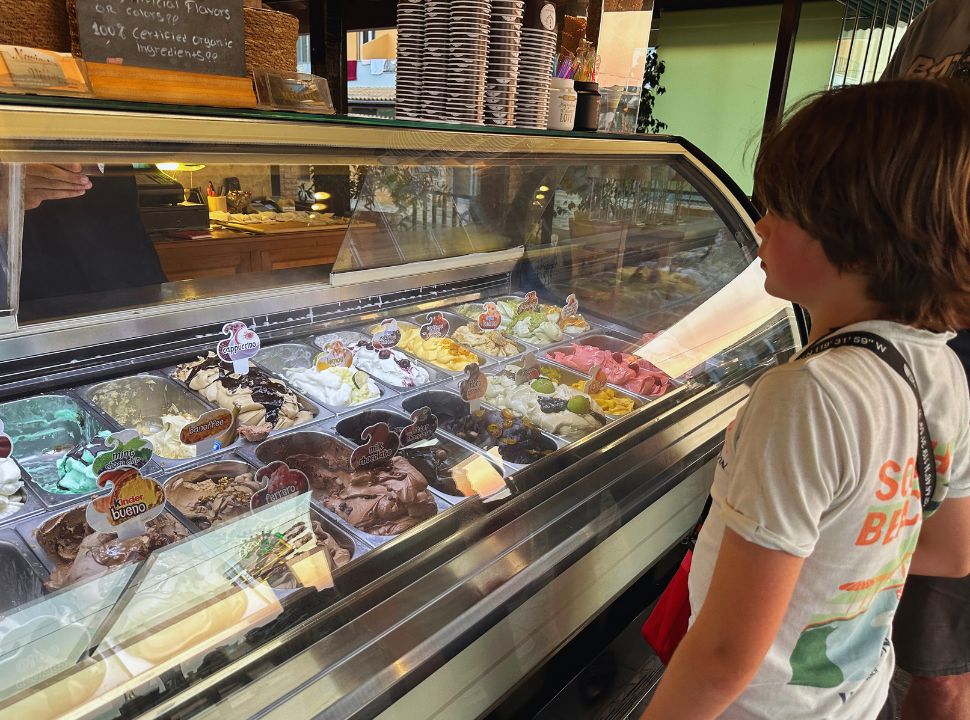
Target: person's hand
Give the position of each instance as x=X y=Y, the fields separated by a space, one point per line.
x=53 y=182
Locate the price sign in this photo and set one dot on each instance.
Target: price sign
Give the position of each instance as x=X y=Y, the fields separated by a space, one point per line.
x=530 y=304
x=597 y=379
x=125 y=448
x=335 y=354
x=437 y=326
x=571 y=308
x=241 y=345
x=424 y=425
x=208 y=429
x=380 y=445
x=281 y=481
x=134 y=500
x=491 y=319
x=529 y=371
x=200 y=36
x=387 y=334
x=473 y=387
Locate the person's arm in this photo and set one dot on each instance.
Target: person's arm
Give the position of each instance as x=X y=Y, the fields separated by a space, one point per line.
x=943 y=550
x=53 y=182
x=745 y=605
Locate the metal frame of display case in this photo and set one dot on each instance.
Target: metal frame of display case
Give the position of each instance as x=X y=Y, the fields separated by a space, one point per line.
x=504 y=590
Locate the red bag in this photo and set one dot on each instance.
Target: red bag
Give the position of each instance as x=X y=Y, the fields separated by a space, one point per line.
x=667 y=624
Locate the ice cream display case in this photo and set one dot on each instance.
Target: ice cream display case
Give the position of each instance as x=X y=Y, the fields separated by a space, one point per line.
x=392 y=483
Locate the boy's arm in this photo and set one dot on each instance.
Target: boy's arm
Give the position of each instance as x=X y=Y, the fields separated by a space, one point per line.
x=940 y=551
x=721 y=653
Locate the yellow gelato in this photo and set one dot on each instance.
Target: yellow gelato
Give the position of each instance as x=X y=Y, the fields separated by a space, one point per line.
x=443 y=352
x=612 y=402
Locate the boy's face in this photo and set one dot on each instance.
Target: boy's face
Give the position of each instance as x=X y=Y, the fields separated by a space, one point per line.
x=794 y=262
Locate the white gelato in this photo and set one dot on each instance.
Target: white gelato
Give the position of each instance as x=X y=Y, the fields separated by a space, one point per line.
x=555 y=407
x=166 y=441
x=389 y=366
x=12 y=494
x=334 y=386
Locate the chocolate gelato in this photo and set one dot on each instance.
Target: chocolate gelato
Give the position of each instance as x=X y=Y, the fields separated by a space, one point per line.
x=211 y=498
x=258 y=397
x=79 y=553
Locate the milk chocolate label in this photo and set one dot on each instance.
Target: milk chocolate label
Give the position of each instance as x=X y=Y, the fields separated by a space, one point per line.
x=282 y=482
x=380 y=445
x=529 y=371
x=597 y=379
x=241 y=345
x=134 y=500
x=530 y=304
x=125 y=447
x=437 y=326
x=424 y=425
x=491 y=319
x=387 y=335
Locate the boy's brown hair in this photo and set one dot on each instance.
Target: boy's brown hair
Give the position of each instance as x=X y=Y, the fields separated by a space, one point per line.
x=880 y=175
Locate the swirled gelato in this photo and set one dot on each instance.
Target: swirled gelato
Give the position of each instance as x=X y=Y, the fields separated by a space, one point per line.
x=388 y=365
x=166 y=440
x=442 y=352
x=554 y=407
x=210 y=499
x=334 y=386
x=489 y=342
x=12 y=493
x=622 y=369
x=74 y=469
x=258 y=397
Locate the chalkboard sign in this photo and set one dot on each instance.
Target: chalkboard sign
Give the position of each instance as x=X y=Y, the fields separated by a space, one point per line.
x=203 y=36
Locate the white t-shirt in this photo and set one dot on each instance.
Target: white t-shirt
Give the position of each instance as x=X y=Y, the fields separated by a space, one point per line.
x=820 y=463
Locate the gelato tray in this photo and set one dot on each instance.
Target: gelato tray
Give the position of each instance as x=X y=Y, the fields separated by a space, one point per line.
x=502 y=434
x=450 y=468
x=443 y=353
x=22 y=574
x=491 y=343
x=336 y=388
x=73 y=552
x=212 y=494
x=55 y=439
x=613 y=401
x=374 y=505
x=623 y=370
x=18 y=497
x=539 y=327
x=265 y=404
x=157 y=407
x=388 y=366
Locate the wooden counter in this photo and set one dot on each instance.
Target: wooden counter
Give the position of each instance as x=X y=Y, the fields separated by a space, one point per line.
x=229 y=252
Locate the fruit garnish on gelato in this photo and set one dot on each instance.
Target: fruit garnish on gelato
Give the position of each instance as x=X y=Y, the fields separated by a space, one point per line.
x=443 y=352
x=574 y=325
x=622 y=369
x=518 y=439
x=335 y=386
x=609 y=399
x=257 y=396
x=12 y=493
x=489 y=342
x=388 y=365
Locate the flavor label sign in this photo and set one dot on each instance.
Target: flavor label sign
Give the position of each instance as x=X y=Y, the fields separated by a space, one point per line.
x=473 y=387
x=530 y=304
x=208 y=428
x=282 y=482
x=334 y=354
x=424 y=425
x=380 y=445
x=134 y=500
x=436 y=327
x=241 y=345
x=529 y=371
x=597 y=379
x=125 y=448
x=570 y=309
x=387 y=335
x=491 y=319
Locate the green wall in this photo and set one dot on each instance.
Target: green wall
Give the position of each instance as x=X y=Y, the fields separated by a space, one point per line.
x=718 y=70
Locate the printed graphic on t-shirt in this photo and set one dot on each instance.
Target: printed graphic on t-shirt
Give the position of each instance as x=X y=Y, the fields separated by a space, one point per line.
x=956 y=65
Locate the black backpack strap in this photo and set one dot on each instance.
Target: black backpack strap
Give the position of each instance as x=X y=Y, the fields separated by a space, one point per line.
x=926 y=460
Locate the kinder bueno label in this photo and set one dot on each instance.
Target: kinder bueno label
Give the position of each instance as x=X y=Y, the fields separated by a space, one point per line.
x=473 y=387
x=334 y=354
x=282 y=482
x=424 y=425
x=134 y=500
x=437 y=326
x=491 y=319
x=571 y=308
x=208 y=428
x=6 y=444
x=241 y=345
x=529 y=371
x=125 y=448
x=530 y=304
x=597 y=379
x=380 y=444
x=388 y=334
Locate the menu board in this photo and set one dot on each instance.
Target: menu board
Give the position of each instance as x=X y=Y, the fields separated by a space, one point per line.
x=202 y=36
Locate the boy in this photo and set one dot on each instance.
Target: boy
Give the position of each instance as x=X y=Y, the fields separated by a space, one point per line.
x=816 y=517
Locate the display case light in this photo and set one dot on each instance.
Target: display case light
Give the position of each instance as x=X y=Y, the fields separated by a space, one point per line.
x=321 y=196
x=318 y=207
x=540 y=196
x=543 y=188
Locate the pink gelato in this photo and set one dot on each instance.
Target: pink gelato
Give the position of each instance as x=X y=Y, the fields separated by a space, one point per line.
x=622 y=369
